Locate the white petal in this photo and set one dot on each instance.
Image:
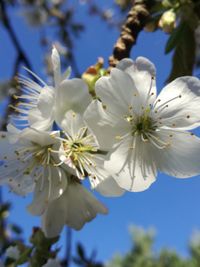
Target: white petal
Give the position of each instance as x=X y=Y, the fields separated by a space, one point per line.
x=13 y=133
x=50 y=187
x=131 y=165
x=40 y=198
x=74 y=208
x=181 y=157
x=46 y=101
x=11 y=171
x=125 y=63
x=143 y=73
x=43 y=138
x=107 y=187
x=117 y=92
x=101 y=180
x=72 y=123
x=71 y=94
x=42 y=116
x=38 y=121
x=55 y=58
x=178 y=103
x=66 y=74
x=104 y=125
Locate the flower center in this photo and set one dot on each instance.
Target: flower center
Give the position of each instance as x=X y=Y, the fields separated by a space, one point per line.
x=35 y=155
x=43 y=156
x=143 y=124
x=76 y=149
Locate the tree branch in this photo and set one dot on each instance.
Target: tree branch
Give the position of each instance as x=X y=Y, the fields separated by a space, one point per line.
x=135 y=22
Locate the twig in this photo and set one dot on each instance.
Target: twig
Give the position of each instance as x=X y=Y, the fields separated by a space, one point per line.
x=135 y=22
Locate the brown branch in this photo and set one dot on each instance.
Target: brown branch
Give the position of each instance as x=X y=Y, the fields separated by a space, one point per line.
x=135 y=22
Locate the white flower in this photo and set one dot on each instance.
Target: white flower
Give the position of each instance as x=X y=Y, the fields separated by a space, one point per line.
x=145 y=133
x=74 y=208
x=12 y=252
x=41 y=104
x=28 y=164
x=52 y=263
x=80 y=151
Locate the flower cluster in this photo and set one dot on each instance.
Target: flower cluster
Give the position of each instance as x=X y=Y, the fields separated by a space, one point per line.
x=60 y=136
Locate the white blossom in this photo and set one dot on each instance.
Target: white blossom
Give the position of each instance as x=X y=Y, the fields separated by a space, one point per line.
x=145 y=133
x=74 y=208
x=40 y=104
x=12 y=252
x=27 y=164
x=80 y=152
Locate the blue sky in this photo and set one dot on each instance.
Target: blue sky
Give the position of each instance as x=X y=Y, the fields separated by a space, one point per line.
x=171 y=205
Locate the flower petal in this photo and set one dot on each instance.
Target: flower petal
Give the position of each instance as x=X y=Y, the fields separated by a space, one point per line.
x=55 y=58
x=11 y=172
x=71 y=94
x=99 y=120
x=131 y=165
x=72 y=123
x=178 y=103
x=77 y=207
x=181 y=157
x=107 y=187
x=117 y=92
x=101 y=180
x=38 y=121
x=50 y=187
x=41 y=117
x=143 y=73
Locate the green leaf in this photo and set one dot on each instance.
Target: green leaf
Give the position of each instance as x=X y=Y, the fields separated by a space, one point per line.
x=175 y=37
x=184 y=56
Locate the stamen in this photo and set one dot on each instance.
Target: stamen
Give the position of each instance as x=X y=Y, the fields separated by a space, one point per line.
x=165 y=103
x=34 y=75
x=157 y=141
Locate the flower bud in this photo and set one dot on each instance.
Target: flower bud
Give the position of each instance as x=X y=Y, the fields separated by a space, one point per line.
x=167 y=21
